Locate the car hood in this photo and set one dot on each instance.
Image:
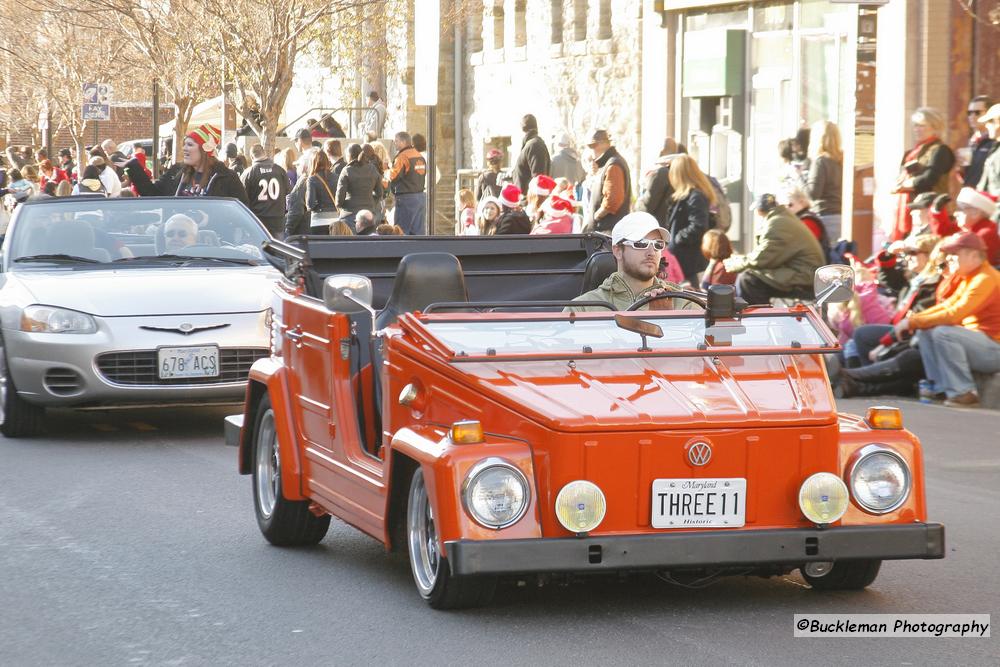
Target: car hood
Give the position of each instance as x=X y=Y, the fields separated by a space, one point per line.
x=153 y=291
x=662 y=392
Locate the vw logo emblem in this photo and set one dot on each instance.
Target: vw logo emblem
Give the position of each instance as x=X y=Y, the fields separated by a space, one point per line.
x=699 y=453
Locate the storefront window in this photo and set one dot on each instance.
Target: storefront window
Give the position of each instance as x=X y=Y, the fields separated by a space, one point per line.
x=772 y=16
x=772 y=108
x=729 y=17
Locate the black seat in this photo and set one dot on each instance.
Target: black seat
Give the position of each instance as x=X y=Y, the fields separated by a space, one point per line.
x=422 y=279
x=600 y=265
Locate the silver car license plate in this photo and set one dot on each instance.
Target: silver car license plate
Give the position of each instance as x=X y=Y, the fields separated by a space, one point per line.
x=188 y=362
x=699 y=503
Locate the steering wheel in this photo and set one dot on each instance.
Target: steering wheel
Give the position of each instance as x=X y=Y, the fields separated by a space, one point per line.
x=666 y=295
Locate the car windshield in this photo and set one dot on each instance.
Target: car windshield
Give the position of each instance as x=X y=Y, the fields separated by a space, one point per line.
x=96 y=231
x=477 y=338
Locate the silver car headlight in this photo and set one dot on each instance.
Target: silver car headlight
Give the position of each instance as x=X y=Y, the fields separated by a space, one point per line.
x=880 y=479
x=49 y=319
x=495 y=493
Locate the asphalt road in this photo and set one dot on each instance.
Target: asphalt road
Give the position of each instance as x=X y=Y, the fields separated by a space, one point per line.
x=129 y=539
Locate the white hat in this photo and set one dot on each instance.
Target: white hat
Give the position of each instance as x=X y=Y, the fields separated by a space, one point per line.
x=975 y=199
x=636 y=226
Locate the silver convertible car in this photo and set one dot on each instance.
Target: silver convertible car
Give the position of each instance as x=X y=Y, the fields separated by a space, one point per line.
x=129 y=302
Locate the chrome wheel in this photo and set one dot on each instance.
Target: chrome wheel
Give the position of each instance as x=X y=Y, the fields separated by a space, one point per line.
x=425 y=558
x=268 y=465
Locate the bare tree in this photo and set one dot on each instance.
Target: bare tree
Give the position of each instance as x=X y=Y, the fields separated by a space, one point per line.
x=260 y=41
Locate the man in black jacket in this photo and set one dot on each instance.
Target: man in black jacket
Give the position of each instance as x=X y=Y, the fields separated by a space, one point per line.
x=610 y=198
x=266 y=184
x=534 y=157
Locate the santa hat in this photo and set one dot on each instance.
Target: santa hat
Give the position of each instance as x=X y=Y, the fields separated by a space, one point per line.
x=510 y=196
x=207 y=137
x=542 y=185
x=558 y=206
x=984 y=202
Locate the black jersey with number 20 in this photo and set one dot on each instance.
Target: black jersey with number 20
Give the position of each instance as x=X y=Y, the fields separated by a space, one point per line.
x=267 y=185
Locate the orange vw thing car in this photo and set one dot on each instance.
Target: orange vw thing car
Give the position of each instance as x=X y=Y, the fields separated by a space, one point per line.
x=432 y=393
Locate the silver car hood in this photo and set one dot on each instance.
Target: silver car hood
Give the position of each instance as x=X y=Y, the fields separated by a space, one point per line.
x=153 y=291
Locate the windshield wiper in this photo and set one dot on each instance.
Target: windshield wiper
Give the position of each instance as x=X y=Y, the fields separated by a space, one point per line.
x=186 y=259
x=58 y=257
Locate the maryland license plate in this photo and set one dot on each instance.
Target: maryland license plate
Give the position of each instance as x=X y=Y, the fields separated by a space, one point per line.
x=699 y=503
x=188 y=362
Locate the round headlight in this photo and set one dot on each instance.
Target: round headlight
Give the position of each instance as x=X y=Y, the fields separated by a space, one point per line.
x=580 y=506
x=823 y=498
x=880 y=480
x=495 y=493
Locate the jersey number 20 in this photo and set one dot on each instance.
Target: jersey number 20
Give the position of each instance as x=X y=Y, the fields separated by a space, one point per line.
x=269 y=190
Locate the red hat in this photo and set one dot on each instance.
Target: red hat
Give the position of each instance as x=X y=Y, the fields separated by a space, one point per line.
x=207 y=137
x=956 y=242
x=494 y=155
x=558 y=206
x=542 y=185
x=510 y=196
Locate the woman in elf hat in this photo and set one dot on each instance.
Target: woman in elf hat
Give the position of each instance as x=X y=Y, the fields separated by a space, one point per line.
x=200 y=172
x=557 y=216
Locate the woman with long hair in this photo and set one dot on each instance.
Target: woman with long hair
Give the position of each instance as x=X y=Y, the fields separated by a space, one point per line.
x=359 y=186
x=200 y=172
x=826 y=176
x=376 y=156
x=689 y=218
x=320 y=198
x=288 y=159
x=924 y=168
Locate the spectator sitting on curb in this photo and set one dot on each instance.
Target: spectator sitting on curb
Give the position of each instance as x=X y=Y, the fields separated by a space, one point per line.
x=974 y=212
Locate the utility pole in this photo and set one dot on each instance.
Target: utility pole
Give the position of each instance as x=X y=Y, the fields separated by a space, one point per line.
x=156 y=129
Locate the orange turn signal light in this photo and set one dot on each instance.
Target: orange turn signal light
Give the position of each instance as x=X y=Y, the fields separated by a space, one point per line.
x=884 y=418
x=467 y=432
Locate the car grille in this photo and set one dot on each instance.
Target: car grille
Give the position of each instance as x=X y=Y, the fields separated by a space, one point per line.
x=139 y=367
x=63 y=381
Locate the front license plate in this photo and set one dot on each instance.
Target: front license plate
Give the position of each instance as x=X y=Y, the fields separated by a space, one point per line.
x=188 y=362
x=699 y=503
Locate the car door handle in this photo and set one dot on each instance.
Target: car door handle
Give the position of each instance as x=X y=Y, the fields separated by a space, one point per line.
x=294 y=335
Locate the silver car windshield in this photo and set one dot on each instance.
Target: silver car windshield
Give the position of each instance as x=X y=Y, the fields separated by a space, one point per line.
x=91 y=231
x=484 y=337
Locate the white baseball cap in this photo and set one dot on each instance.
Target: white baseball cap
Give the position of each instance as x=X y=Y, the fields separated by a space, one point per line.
x=635 y=226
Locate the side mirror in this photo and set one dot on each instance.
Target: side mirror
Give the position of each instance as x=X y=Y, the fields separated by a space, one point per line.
x=348 y=294
x=834 y=282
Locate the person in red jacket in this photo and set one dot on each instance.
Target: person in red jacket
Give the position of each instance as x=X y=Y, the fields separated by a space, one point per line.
x=49 y=173
x=974 y=212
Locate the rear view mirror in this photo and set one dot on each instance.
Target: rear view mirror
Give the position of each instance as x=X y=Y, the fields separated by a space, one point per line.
x=348 y=294
x=834 y=282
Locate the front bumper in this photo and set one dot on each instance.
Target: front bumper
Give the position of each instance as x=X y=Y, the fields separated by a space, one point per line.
x=717 y=548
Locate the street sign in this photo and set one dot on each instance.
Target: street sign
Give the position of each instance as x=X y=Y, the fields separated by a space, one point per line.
x=96 y=101
x=96 y=111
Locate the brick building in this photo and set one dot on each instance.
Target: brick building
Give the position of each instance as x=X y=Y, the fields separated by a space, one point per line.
x=128 y=121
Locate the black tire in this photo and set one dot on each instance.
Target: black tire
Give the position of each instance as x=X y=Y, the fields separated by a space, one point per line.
x=18 y=418
x=847 y=575
x=430 y=569
x=284 y=523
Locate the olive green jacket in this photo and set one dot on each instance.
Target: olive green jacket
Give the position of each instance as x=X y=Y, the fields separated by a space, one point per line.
x=616 y=291
x=787 y=254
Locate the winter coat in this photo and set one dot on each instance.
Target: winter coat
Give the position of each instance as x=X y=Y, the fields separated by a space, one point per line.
x=787 y=254
x=359 y=187
x=981 y=146
x=610 y=199
x=222 y=183
x=615 y=290
x=533 y=160
x=824 y=185
x=297 y=219
x=489 y=185
x=687 y=225
x=656 y=197
x=320 y=198
x=513 y=221
x=974 y=304
x=936 y=161
x=990 y=180
x=562 y=224
x=566 y=164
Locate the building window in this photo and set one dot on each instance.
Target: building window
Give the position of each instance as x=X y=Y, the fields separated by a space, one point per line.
x=474 y=29
x=520 y=22
x=580 y=20
x=497 y=24
x=604 y=20
x=557 y=21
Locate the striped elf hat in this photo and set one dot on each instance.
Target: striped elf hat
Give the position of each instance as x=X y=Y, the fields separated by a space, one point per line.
x=207 y=137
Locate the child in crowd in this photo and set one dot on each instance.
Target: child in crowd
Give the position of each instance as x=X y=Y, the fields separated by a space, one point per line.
x=466 y=223
x=716 y=248
x=557 y=216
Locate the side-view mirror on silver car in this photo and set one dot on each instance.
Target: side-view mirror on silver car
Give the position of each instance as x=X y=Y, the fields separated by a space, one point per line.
x=833 y=283
x=348 y=294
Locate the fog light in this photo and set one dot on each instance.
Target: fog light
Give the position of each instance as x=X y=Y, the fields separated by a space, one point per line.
x=823 y=498
x=580 y=506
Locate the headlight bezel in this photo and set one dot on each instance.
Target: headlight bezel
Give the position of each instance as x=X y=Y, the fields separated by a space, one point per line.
x=480 y=468
x=867 y=452
x=33 y=315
